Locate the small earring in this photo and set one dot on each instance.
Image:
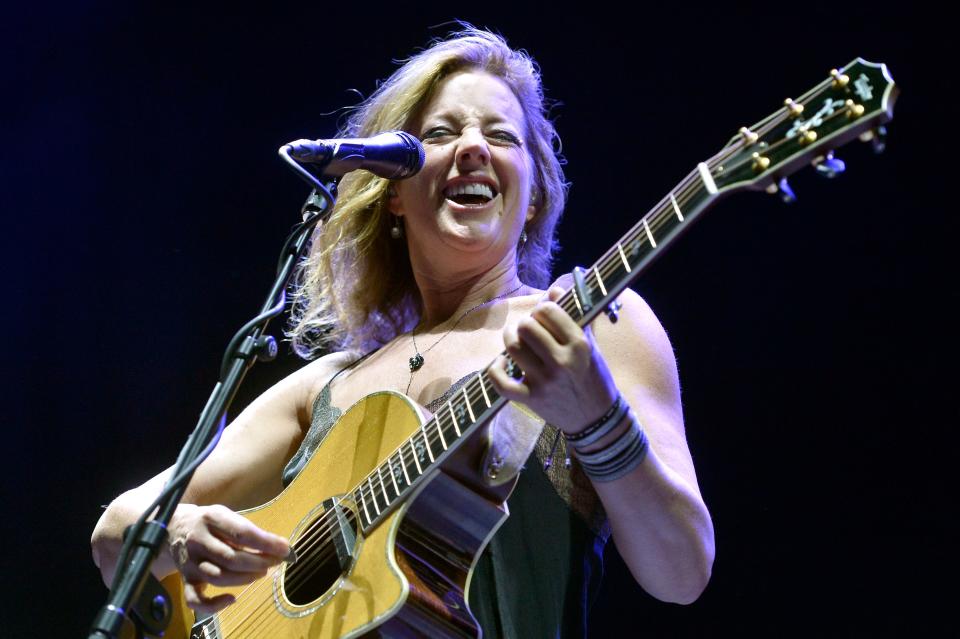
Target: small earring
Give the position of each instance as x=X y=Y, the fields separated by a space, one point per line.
x=523 y=237
x=396 y=231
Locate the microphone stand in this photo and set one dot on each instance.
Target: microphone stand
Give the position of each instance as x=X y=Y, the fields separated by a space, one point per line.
x=143 y=539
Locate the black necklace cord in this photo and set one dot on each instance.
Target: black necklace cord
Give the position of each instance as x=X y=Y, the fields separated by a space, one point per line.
x=417 y=361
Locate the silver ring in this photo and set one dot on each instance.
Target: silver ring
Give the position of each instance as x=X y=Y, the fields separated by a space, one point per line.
x=178 y=548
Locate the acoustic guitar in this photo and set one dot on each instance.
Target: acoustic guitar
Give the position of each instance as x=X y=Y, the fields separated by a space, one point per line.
x=390 y=515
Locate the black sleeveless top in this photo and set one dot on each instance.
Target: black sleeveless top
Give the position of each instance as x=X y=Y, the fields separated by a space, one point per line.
x=540 y=573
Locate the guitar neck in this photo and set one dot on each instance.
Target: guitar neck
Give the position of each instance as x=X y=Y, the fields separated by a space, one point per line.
x=598 y=286
x=477 y=400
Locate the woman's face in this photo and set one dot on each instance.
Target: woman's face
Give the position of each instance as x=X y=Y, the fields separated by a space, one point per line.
x=472 y=197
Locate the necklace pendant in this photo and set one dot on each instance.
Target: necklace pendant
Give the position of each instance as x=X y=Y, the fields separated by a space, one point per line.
x=416 y=362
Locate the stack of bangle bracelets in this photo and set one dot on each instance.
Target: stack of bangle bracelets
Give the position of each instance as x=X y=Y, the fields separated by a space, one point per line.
x=618 y=457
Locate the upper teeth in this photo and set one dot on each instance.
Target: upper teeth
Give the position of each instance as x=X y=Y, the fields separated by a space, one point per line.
x=470 y=188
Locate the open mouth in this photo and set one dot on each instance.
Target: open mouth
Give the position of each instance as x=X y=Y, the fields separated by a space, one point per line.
x=470 y=194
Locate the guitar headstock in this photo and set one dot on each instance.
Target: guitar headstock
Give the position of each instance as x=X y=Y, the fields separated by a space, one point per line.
x=854 y=101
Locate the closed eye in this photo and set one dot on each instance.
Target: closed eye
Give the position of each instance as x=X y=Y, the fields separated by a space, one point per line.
x=505 y=136
x=436 y=132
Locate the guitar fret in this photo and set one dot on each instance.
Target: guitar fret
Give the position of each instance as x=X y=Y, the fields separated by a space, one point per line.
x=469 y=407
x=403 y=466
x=373 y=493
x=603 y=289
x=363 y=502
x=393 y=475
x=413 y=451
x=383 y=498
x=382 y=484
x=443 y=442
x=576 y=301
x=456 y=427
x=646 y=226
x=426 y=442
x=623 y=257
x=483 y=390
x=676 y=207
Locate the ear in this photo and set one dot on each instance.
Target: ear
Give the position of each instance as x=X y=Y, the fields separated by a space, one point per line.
x=532 y=205
x=393 y=201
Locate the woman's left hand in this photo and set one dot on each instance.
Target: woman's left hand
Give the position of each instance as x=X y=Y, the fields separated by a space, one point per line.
x=565 y=378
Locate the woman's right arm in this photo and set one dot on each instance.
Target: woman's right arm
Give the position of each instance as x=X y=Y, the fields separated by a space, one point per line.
x=207 y=541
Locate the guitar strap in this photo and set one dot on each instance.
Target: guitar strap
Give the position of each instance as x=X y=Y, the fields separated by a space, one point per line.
x=511 y=438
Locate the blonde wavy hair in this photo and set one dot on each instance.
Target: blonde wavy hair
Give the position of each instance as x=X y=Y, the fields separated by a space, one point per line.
x=355 y=290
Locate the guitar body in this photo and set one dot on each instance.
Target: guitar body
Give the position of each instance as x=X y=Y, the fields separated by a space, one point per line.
x=406 y=577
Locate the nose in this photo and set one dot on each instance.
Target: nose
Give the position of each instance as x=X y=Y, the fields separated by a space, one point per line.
x=472 y=151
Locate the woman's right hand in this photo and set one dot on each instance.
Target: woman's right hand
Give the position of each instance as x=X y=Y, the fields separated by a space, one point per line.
x=214 y=545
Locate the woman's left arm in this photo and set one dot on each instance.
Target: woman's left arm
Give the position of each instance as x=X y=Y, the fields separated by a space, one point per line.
x=660 y=523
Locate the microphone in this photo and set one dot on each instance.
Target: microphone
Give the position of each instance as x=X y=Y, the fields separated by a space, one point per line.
x=393 y=155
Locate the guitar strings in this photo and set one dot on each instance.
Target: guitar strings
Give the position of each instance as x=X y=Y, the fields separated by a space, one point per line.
x=318 y=530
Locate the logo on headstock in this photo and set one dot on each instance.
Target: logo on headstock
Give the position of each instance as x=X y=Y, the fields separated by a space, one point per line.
x=862 y=87
x=829 y=108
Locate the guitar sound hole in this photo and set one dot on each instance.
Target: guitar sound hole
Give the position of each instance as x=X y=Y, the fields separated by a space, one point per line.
x=325 y=552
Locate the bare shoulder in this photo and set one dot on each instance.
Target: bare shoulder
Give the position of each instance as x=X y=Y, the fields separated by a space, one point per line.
x=245 y=468
x=293 y=394
x=315 y=375
x=639 y=341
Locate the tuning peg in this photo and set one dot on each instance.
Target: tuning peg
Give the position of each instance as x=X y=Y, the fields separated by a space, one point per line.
x=829 y=166
x=748 y=136
x=839 y=79
x=877 y=136
x=786 y=193
x=783 y=188
x=854 y=110
x=760 y=163
x=793 y=108
x=806 y=136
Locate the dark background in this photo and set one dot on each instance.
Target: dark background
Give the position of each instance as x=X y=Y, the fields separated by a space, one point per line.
x=144 y=204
